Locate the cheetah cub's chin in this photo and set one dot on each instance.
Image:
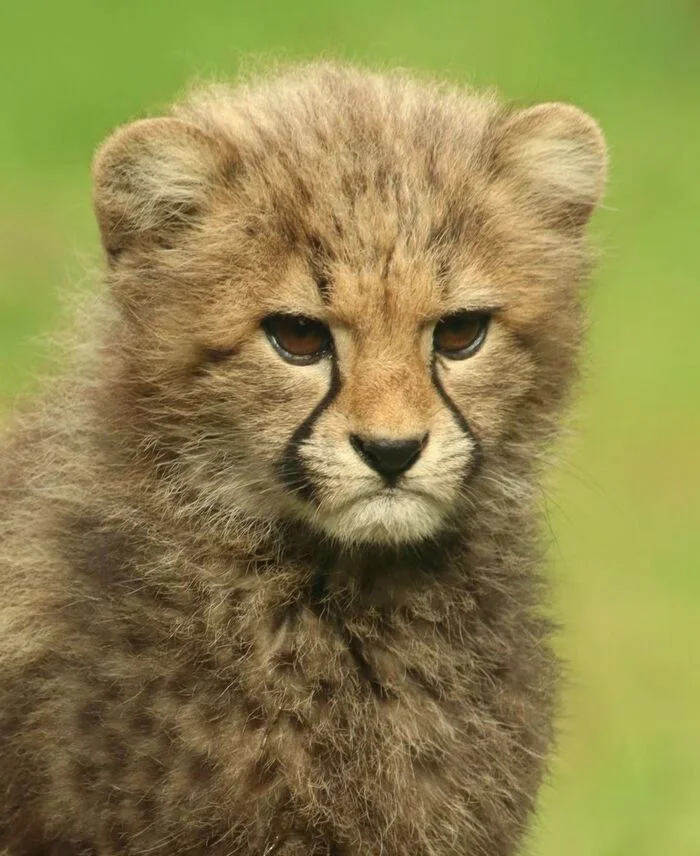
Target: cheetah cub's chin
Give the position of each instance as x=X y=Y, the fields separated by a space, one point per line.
x=389 y=516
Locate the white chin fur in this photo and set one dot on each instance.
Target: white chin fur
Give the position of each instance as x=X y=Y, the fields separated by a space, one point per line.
x=397 y=518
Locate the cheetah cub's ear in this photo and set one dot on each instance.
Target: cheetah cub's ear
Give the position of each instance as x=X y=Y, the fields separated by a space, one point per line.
x=552 y=159
x=151 y=179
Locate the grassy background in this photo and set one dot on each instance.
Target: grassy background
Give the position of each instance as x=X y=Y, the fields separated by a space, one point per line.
x=625 y=510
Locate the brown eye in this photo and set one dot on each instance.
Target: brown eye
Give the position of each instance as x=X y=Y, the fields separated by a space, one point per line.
x=298 y=339
x=460 y=335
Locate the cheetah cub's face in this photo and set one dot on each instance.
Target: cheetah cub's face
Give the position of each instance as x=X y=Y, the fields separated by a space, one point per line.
x=347 y=299
x=382 y=451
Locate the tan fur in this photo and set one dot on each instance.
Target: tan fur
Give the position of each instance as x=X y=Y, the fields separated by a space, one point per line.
x=219 y=634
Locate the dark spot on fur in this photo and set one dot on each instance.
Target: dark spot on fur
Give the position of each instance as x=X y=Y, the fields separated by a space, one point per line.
x=324 y=286
x=231 y=172
x=211 y=355
x=101 y=554
x=366 y=669
x=322 y=692
x=429 y=686
x=201 y=769
x=286 y=661
x=139 y=638
x=181 y=683
x=338 y=228
x=116 y=796
x=282 y=616
x=325 y=689
x=118 y=751
x=255 y=716
x=426 y=761
x=213 y=709
x=318 y=593
x=119 y=838
x=148 y=808
x=182 y=213
x=86 y=773
x=152 y=770
x=113 y=252
x=295 y=721
x=354 y=185
x=387 y=261
x=263 y=774
x=142 y=722
x=320 y=257
x=91 y=716
x=443 y=238
x=111 y=692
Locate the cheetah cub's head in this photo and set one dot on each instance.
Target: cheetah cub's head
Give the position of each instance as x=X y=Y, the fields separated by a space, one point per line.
x=348 y=299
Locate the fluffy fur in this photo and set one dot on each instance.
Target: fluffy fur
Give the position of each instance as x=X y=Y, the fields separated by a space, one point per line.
x=220 y=633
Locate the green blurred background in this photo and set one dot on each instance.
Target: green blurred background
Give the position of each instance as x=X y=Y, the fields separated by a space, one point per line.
x=625 y=506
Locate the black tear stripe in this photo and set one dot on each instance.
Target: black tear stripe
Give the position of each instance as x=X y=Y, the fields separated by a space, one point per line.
x=292 y=470
x=460 y=419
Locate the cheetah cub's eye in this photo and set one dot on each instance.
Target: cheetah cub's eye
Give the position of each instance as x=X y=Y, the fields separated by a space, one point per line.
x=460 y=335
x=298 y=339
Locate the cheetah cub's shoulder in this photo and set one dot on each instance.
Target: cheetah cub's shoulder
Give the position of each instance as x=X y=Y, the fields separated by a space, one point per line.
x=269 y=567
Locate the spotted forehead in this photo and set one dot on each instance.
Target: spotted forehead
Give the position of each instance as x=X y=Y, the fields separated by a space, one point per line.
x=387 y=287
x=381 y=232
x=363 y=178
x=394 y=284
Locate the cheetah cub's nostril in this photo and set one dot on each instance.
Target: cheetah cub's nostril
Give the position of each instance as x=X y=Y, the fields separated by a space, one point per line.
x=390 y=458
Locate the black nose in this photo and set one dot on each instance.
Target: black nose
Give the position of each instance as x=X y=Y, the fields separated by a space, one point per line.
x=389 y=458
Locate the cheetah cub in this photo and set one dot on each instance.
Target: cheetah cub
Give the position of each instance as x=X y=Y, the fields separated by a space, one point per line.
x=269 y=561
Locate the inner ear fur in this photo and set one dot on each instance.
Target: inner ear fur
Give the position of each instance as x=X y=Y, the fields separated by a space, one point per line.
x=152 y=178
x=553 y=160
